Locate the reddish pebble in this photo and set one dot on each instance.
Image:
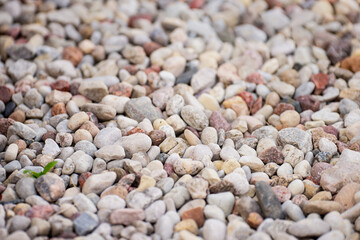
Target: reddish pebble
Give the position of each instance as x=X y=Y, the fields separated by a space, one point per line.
x=308 y=102
x=155 y=69
x=136 y=17
x=169 y=168
x=121 y=89
x=218 y=121
x=331 y=130
x=320 y=80
x=272 y=154
x=157 y=137
x=282 y=107
x=197 y=214
x=196 y=4
x=282 y=193
x=48 y=134
x=132 y=69
x=256 y=106
x=83 y=177
x=255 y=78
x=60 y=85
x=74 y=88
x=5 y=123
x=254 y=220
x=21 y=145
x=58 y=108
x=317 y=170
x=247 y=97
x=5 y=94
x=127 y=180
x=135 y=130
x=73 y=54
x=299 y=199
x=149 y=47
x=40 y=211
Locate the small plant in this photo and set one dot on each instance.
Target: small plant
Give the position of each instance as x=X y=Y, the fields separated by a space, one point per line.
x=47 y=168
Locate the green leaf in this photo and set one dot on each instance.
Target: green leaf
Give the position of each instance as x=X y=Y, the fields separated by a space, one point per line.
x=48 y=167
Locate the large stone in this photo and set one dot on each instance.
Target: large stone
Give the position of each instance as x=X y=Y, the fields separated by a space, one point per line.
x=297 y=138
x=126 y=216
x=345 y=171
x=50 y=187
x=97 y=183
x=268 y=201
x=94 y=90
x=310 y=227
x=138 y=142
x=195 y=117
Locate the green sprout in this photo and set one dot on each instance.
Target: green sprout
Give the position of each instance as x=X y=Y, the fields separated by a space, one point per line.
x=47 y=168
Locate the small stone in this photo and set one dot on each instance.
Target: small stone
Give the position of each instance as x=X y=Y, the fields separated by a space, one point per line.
x=85 y=223
x=218 y=122
x=110 y=152
x=77 y=120
x=126 y=216
x=72 y=54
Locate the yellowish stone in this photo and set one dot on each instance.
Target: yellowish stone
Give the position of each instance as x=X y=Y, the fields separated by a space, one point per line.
x=230 y=166
x=209 y=102
x=323 y=195
x=191 y=138
x=189 y=225
x=218 y=164
x=146 y=182
x=158 y=123
x=237 y=104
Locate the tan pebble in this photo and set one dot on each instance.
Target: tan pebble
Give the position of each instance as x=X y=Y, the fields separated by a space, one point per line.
x=145 y=183
x=188 y=224
x=272 y=99
x=191 y=138
x=290 y=118
x=82 y=134
x=230 y=166
x=77 y=120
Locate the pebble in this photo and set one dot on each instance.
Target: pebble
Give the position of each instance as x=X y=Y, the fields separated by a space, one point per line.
x=309 y=228
x=98 y=182
x=50 y=186
x=268 y=201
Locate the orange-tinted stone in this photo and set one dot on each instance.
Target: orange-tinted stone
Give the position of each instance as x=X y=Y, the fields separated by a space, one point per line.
x=196 y=214
x=58 y=108
x=255 y=78
x=320 y=80
x=73 y=54
x=254 y=220
x=18 y=115
x=149 y=47
x=351 y=63
x=60 y=85
x=135 y=130
x=282 y=107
